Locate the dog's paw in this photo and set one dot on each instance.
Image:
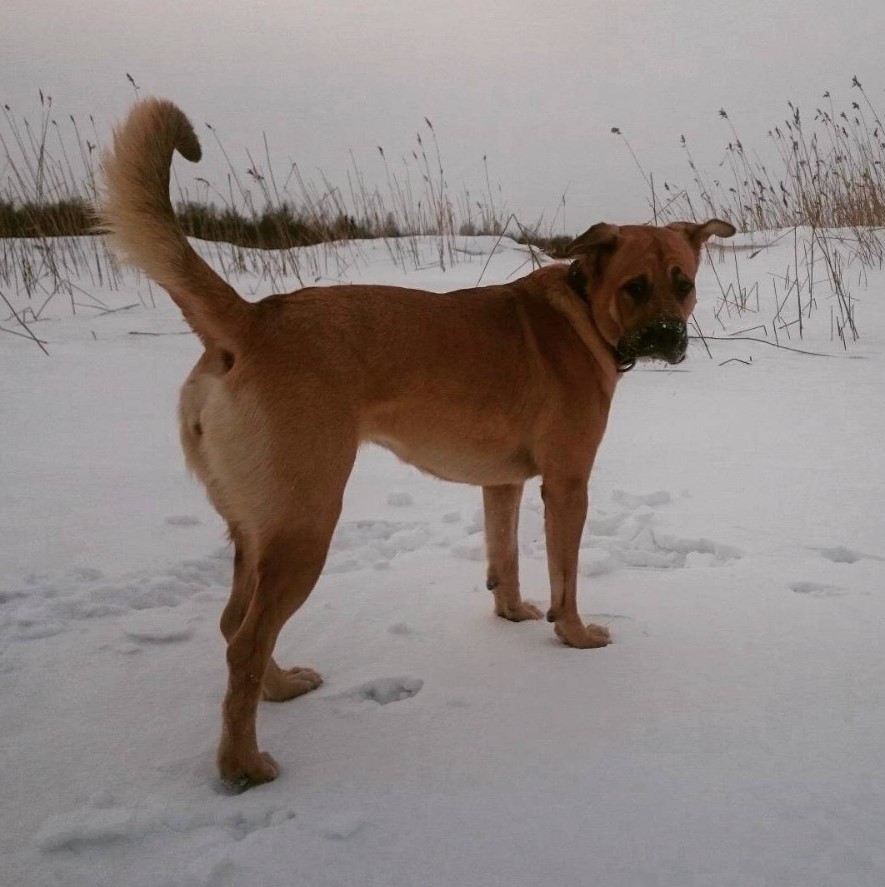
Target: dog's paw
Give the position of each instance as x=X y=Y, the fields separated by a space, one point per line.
x=281 y=684
x=518 y=612
x=240 y=774
x=583 y=637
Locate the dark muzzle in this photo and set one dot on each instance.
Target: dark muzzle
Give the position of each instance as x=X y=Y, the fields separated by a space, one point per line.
x=661 y=340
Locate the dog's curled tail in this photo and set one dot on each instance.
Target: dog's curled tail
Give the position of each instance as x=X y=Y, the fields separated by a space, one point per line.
x=135 y=212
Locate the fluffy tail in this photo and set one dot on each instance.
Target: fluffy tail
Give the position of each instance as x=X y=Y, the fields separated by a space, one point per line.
x=135 y=212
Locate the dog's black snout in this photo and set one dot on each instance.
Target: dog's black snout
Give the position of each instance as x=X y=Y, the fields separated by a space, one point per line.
x=662 y=339
x=669 y=338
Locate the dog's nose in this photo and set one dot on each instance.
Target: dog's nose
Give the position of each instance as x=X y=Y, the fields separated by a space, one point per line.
x=668 y=338
x=662 y=339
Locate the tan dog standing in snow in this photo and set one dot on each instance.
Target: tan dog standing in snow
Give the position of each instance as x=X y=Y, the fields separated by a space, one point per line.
x=488 y=386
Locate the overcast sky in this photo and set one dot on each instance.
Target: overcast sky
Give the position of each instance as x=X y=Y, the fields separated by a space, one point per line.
x=535 y=86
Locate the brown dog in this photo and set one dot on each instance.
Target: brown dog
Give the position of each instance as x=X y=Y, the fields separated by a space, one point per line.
x=487 y=386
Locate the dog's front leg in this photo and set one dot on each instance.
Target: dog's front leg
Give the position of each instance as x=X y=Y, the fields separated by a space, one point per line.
x=501 y=504
x=565 y=510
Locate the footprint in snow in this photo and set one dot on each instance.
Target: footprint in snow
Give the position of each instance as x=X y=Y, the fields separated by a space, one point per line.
x=86 y=574
x=341 y=826
x=633 y=500
x=386 y=690
x=627 y=536
x=401 y=628
x=815 y=589
x=840 y=554
x=472 y=548
x=156 y=627
x=182 y=520
x=367 y=543
x=103 y=821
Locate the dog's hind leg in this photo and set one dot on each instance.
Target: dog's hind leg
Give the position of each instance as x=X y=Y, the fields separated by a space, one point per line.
x=242 y=586
x=279 y=684
x=283 y=556
x=501 y=505
x=286 y=570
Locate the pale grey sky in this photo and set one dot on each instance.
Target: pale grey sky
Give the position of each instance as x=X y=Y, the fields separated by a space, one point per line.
x=535 y=86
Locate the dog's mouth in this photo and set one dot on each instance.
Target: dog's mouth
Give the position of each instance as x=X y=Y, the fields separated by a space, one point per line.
x=665 y=340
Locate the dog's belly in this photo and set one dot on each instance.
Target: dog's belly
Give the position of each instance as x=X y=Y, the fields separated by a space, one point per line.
x=465 y=463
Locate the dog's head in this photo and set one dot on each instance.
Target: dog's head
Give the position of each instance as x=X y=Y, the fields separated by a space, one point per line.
x=638 y=282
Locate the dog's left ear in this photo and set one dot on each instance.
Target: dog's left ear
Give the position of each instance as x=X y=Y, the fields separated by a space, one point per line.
x=699 y=233
x=601 y=235
x=591 y=250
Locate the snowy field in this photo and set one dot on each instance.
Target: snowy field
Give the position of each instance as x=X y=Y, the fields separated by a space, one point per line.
x=731 y=736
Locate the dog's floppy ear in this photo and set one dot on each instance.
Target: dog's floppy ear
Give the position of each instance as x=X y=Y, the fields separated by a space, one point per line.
x=699 y=233
x=600 y=235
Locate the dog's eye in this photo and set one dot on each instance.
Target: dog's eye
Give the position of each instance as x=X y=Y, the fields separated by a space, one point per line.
x=683 y=286
x=638 y=289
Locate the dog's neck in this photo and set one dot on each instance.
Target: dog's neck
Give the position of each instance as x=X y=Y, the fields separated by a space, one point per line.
x=577 y=280
x=553 y=286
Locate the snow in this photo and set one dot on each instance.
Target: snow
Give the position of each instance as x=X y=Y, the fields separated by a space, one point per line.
x=731 y=734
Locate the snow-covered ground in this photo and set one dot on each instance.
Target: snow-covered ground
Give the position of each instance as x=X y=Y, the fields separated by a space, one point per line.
x=731 y=736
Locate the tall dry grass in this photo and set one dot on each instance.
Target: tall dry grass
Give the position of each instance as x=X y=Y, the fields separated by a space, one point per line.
x=824 y=178
x=256 y=219
x=820 y=182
